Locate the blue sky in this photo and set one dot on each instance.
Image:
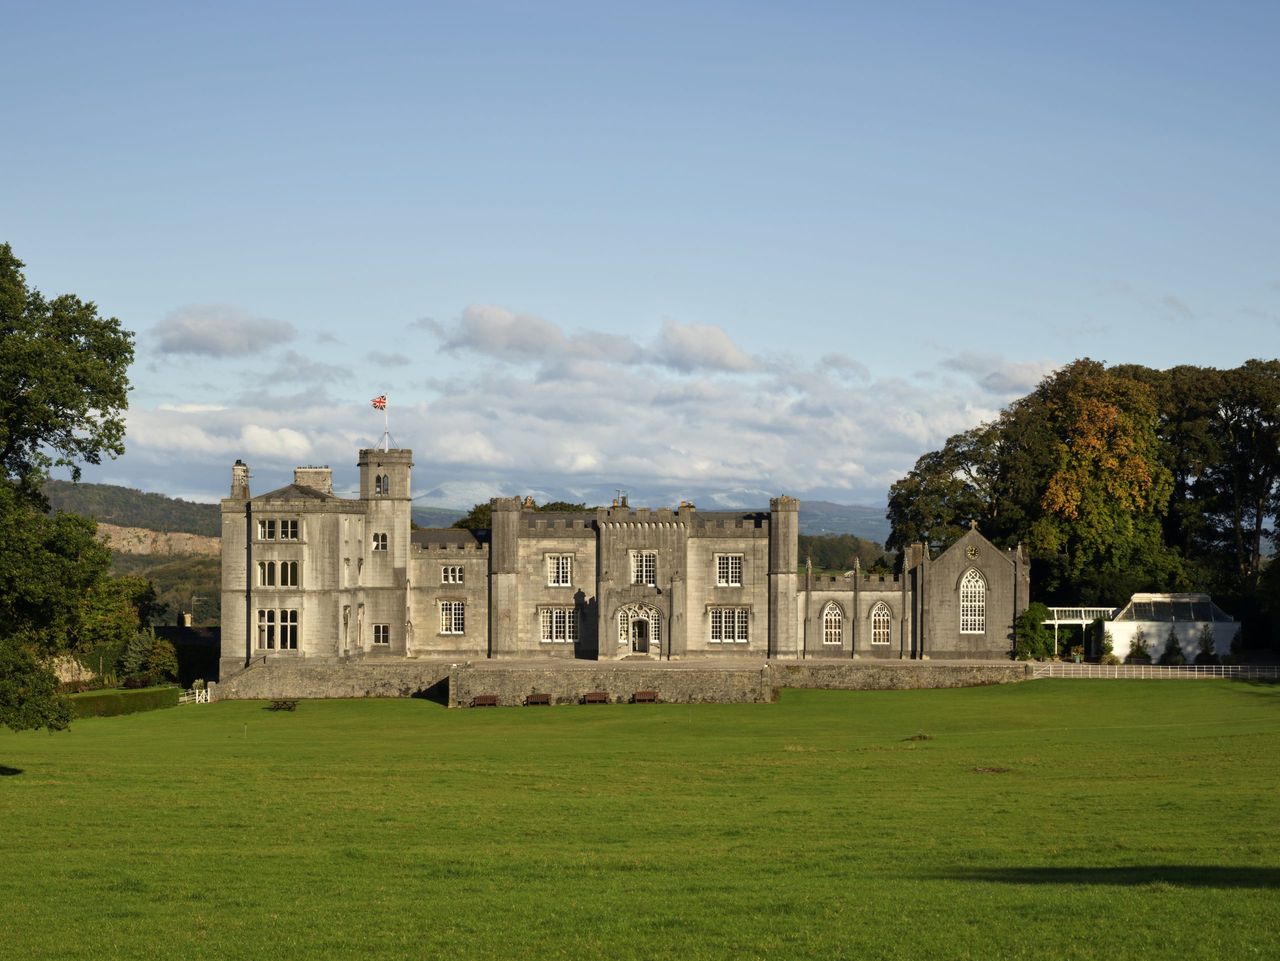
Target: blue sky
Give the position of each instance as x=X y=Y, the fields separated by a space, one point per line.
x=678 y=248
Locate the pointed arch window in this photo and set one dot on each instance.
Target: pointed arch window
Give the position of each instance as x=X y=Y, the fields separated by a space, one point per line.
x=881 y=619
x=832 y=625
x=973 y=603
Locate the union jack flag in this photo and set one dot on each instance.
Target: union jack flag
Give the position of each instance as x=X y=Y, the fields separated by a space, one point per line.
x=380 y=402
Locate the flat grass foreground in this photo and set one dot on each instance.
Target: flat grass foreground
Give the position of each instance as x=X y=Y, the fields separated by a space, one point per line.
x=1051 y=819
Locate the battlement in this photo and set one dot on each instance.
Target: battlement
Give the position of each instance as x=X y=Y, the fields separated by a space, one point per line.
x=557 y=522
x=891 y=580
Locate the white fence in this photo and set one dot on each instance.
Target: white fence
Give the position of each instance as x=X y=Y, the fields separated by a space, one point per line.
x=1158 y=672
x=195 y=696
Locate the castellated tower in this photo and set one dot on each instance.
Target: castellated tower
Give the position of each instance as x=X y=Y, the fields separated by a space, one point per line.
x=504 y=588
x=784 y=559
x=385 y=477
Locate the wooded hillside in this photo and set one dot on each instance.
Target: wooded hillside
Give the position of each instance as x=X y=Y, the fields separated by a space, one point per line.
x=132 y=508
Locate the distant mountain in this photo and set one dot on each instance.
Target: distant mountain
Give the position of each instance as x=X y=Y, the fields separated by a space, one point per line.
x=824 y=517
x=443 y=505
x=436 y=516
x=127 y=507
x=816 y=517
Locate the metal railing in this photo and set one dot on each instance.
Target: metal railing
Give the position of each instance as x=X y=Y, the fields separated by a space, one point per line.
x=1158 y=672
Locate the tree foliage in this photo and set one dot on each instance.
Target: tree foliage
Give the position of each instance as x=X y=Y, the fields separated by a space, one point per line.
x=1032 y=640
x=63 y=392
x=110 y=504
x=63 y=380
x=1119 y=480
x=838 y=552
x=480 y=517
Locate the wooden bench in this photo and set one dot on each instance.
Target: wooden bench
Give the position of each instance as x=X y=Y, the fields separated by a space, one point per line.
x=644 y=697
x=536 y=698
x=596 y=697
x=485 y=700
x=283 y=706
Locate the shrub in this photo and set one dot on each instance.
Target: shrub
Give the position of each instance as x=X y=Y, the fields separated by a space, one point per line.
x=112 y=703
x=1206 y=654
x=1031 y=638
x=148 y=660
x=1172 y=655
x=1110 y=657
x=1138 y=653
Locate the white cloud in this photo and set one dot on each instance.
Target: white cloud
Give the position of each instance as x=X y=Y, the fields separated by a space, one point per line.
x=691 y=347
x=997 y=375
x=501 y=333
x=295 y=368
x=590 y=410
x=191 y=408
x=219 y=330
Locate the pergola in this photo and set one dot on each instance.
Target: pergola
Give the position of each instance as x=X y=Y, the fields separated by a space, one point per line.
x=1072 y=616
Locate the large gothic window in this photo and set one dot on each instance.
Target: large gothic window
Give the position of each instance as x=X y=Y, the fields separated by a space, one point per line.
x=881 y=618
x=973 y=603
x=832 y=625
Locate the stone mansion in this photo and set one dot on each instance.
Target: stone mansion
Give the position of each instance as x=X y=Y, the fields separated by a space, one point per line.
x=312 y=576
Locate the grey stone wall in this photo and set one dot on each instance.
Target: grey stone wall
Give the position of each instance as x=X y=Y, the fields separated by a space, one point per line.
x=299 y=679
x=751 y=681
x=896 y=676
x=747 y=685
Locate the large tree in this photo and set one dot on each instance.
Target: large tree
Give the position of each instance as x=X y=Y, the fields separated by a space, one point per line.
x=1072 y=470
x=63 y=392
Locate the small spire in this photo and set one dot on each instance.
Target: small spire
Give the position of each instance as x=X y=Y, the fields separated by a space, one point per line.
x=973 y=525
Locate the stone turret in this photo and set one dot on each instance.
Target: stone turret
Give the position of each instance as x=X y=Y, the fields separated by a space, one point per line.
x=240 y=481
x=784 y=559
x=504 y=588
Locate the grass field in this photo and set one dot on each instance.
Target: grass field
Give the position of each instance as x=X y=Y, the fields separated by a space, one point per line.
x=1054 y=819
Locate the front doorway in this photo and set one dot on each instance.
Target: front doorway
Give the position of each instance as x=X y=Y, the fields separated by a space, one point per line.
x=639 y=637
x=639 y=633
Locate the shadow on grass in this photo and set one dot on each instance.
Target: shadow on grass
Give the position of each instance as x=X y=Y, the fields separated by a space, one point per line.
x=9 y=771
x=437 y=693
x=1181 y=875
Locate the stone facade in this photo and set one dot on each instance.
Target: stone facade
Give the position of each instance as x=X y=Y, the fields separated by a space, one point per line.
x=318 y=579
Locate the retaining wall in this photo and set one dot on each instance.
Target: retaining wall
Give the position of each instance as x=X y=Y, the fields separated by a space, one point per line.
x=895 y=675
x=273 y=680
x=565 y=682
x=747 y=685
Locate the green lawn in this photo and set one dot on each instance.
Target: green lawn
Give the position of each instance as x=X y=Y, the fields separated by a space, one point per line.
x=1054 y=819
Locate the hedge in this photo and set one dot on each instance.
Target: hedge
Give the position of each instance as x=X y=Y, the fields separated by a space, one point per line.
x=111 y=703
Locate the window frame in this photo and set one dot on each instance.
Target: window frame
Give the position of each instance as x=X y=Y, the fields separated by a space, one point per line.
x=729 y=625
x=557 y=625
x=832 y=625
x=644 y=563
x=725 y=569
x=453 y=617
x=380 y=542
x=277 y=629
x=559 y=570
x=881 y=617
x=452 y=573
x=973 y=602
x=383 y=630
